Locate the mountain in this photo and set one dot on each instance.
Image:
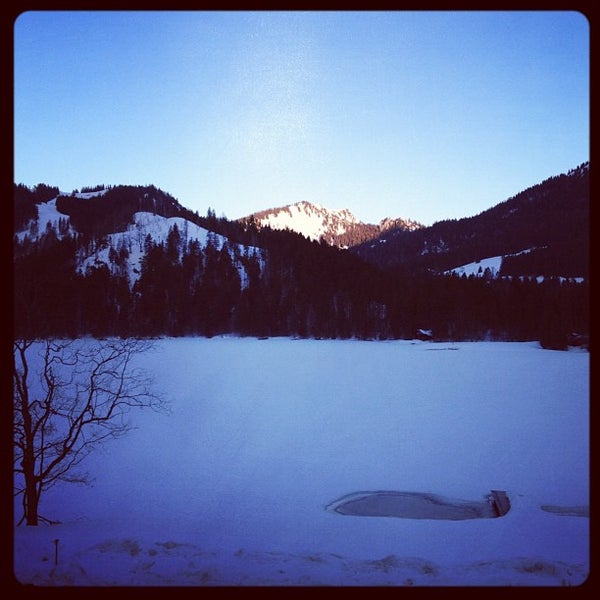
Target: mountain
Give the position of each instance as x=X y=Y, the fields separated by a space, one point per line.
x=116 y=226
x=336 y=227
x=542 y=231
x=132 y=261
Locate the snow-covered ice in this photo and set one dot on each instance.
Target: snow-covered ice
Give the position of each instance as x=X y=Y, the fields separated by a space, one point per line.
x=232 y=487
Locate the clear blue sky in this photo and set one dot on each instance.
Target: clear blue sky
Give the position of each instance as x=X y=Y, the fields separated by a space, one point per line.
x=424 y=115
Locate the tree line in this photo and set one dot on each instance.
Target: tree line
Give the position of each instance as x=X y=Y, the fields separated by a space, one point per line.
x=290 y=286
x=551 y=221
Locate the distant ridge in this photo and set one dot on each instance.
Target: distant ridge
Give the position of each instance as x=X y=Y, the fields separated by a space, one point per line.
x=335 y=227
x=130 y=260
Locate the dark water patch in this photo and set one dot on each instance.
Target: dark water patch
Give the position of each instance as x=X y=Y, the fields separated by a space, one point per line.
x=416 y=505
x=570 y=511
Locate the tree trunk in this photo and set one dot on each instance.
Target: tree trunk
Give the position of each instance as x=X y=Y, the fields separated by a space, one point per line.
x=31 y=497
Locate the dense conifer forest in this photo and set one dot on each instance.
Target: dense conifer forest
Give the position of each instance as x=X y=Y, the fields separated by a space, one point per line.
x=550 y=220
x=256 y=281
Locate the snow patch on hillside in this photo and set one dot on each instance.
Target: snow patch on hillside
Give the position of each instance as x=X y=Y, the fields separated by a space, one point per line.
x=133 y=238
x=490 y=267
x=158 y=228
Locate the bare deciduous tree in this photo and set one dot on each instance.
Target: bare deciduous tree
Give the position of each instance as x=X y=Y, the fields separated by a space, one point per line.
x=69 y=396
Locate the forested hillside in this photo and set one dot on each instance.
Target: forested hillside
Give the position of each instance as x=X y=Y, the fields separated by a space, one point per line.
x=551 y=221
x=131 y=261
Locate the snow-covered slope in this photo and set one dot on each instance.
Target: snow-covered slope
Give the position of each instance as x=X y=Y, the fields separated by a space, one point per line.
x=50 y=217
x=157 y=228
x=490 y=267
x=132 y=240
x=311 y=220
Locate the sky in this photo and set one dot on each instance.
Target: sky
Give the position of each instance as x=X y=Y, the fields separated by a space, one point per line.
x=421 y=115
x=235 y=484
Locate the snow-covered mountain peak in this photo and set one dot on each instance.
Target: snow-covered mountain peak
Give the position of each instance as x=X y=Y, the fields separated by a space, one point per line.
x=309 y=219
x=399 y=223
x=338 y=227
x=327 y=213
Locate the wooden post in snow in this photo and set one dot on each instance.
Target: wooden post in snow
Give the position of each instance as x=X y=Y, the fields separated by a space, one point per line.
x=500 y=502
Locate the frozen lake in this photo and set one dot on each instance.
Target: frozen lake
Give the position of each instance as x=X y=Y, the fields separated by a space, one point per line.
x=265 y=434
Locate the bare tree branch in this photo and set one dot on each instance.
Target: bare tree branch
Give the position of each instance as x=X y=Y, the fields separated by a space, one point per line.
x=82 y=396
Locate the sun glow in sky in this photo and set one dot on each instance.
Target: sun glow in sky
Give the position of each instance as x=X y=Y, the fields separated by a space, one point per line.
x=422 y=115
